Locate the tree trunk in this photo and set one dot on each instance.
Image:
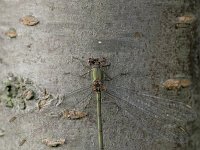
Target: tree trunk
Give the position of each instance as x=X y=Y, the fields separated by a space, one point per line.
x=151 y=40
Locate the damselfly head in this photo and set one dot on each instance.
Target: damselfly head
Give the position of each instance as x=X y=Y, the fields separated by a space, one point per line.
x=93 y=61
x=97 y=61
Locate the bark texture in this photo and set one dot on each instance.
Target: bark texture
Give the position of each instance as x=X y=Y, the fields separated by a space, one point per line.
x=142 y=37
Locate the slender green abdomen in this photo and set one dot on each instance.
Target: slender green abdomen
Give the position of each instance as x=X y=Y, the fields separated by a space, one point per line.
x=99 y=122
x=97 y=74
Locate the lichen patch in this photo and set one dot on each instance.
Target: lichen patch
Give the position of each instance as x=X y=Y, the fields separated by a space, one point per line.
x=29 y=20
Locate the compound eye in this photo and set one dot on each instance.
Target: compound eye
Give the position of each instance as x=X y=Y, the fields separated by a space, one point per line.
x=103 y=59
x=90 y=61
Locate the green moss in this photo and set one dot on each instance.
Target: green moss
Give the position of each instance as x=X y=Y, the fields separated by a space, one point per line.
x=9 y=103
x=17 y=91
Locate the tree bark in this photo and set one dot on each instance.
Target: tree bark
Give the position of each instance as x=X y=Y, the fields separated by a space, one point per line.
x=145 y=38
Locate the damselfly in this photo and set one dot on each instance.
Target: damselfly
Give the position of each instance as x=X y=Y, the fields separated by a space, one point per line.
x=159 y=116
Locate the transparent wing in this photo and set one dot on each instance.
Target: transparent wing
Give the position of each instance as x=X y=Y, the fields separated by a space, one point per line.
x=157 y=107
x=159 y=116
x=71 y=100
x=76 y=97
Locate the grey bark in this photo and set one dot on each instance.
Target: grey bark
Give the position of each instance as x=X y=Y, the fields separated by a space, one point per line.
x=136 y=36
